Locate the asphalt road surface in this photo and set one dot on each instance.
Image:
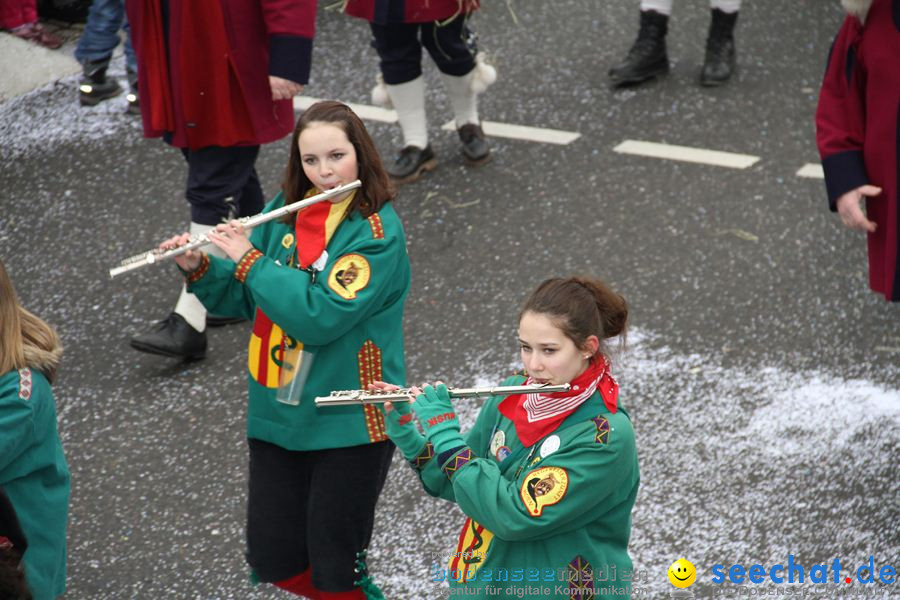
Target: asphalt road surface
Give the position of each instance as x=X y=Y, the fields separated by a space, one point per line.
x=762 y=374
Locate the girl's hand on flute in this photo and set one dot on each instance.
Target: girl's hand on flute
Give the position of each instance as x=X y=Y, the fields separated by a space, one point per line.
x=381 y=386
x=188 y=261
x=398 y=423
x=231 y=239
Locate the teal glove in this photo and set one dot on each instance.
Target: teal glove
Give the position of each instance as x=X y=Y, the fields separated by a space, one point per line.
x=402 y=430
x=438 y=418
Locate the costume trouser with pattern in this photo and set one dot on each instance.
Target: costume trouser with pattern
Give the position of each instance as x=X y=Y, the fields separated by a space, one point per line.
x=451 y=46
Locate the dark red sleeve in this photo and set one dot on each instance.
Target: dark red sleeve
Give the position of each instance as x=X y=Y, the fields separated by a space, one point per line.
x=291 y=25
x=840 y=116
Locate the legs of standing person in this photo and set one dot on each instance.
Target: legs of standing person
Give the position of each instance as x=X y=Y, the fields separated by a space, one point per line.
x=134 y=105
x=310 y=517
x=452 y=47
x=222 y=184
x=400 y=61
x=95 y=49
x=647 y=57
x=20 y=17
x=721 y=57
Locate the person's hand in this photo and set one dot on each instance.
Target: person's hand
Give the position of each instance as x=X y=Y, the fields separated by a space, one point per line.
x=438 y=417
x=231 y=238
x=188 y=261
x=284 y=89
x=399 y=423
x=848 y=207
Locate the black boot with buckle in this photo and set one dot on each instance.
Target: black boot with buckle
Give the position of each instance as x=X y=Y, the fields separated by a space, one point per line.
x=647 y=57
x=173 y=337
x=95 y=86
x=411 y=163
x=475 y=148
x=721 y=56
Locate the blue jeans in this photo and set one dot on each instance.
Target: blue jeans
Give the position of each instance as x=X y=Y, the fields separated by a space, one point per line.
x=101 y=33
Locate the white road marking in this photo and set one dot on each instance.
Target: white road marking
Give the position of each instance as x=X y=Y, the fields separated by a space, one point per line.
x=363 y=111
x=522 y=132
x=556 y=136
x=687 y=154
x=811 y=170
x=491 y=128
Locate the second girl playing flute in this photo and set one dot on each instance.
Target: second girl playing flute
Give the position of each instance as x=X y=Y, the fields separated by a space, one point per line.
x=547 y=481
x=326 y=291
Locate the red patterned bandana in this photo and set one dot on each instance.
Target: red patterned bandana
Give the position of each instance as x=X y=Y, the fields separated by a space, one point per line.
x=536 y=415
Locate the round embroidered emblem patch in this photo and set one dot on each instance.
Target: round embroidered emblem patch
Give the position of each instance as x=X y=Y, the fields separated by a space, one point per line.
x=543 y=487
x=349 y=274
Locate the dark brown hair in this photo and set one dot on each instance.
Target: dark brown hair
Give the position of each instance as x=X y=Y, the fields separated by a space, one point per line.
x=580 y=307
x=376 y=187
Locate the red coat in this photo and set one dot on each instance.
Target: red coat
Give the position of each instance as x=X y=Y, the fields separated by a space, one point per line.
x=408 y=11
x=205 y=79
x=857 y=130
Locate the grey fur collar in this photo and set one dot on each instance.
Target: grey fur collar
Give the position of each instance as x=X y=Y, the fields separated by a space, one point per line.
x=857 y=8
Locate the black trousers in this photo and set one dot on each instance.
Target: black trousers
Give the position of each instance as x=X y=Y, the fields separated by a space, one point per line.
x=222 y=183
x=313 y=509
x=399 y=46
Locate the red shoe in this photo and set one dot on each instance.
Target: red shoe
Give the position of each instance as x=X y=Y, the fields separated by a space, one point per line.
x=35 y=32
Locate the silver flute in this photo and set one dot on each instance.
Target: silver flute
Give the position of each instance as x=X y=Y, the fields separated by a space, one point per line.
x=153 y=256
x=351 y=397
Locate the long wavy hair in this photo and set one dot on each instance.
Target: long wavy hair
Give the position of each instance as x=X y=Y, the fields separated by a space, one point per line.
x=376 y=187
x=25 y=339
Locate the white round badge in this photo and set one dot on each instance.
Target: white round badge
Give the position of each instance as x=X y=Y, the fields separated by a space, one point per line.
x=498 y=441
x=550 y=445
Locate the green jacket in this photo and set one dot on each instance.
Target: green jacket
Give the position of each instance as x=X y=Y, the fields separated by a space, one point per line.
x=34 y=473
x=348 y=318
x=554 y=516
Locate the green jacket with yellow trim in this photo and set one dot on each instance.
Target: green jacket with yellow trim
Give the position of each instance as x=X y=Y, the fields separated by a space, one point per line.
x=555 y=516
x=34 y=474
x=348 y=317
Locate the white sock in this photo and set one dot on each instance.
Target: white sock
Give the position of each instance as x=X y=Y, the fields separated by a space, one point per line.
x=463 y=100
x=409 y=101
x=663 y=7
x=728 y=6
x=188 y=306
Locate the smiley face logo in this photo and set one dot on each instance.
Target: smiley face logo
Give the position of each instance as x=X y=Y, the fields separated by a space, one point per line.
x=682 y=573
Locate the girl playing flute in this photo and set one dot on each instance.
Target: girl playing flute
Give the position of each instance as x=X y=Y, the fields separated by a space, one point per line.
x=326 y=289
x=547 y=481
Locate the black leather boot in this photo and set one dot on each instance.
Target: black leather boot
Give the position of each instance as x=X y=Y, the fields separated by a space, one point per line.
x=172 y=337
x=95 y=87
x=647 y=57
x=720 y=53
x=411 y=163
x=474 y=147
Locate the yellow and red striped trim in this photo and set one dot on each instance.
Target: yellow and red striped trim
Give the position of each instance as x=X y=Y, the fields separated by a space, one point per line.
x=246 y=263
x=369 y=359
x=377 y=226
x=198 y=273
